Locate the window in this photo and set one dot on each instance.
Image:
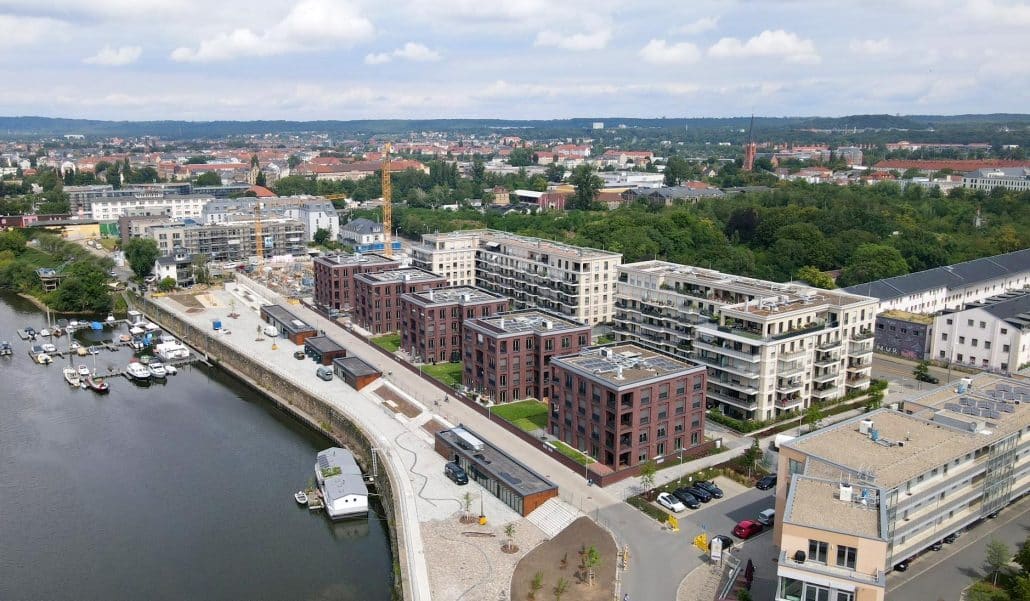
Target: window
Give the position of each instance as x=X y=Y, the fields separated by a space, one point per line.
x=958 y=356
x=949 y=322
x=961 y=339
x=845 y=596
x=944 y=336
x=846 y=556
x=1005 y=347
x=816 y=593
x=983 y=325
x=987 y=344
x=969 y=322
x=817 y=551
x=975 y=342
x=1004 y=330
x=642 y=437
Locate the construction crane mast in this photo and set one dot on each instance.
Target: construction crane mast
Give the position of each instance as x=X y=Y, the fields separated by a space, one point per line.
x=259 y=239
x=387 y=203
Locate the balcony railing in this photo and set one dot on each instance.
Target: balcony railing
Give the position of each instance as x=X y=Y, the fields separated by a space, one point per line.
x=877 y=578
x=735 y=401
x=826 y=392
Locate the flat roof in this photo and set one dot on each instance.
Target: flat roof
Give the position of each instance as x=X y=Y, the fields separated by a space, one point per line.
x=495 y=462
x=568 y=250
x=526 y=321
x=323 y=344
x=944 y=425
x=407 y=274
x=462 y=295
x=625 y=364
x=349 y=481
x=356 y=259
x=816 y=503
x=286 y=319
x=356 y=366
x=926 y=320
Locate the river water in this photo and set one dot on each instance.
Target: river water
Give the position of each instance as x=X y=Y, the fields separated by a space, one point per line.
x=181 y=490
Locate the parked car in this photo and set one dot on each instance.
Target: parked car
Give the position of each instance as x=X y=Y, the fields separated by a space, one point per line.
x=766 y=482
x=688 y=499
x=702 y=495
x=727 y=542
x=455 y=473
x=951 y=537
x=299 y=355
x=937 y=546
x=324 y=372
x=712 y=489
x=746 y=529
x=901 y=566
x=767 y=516
x=670 y=502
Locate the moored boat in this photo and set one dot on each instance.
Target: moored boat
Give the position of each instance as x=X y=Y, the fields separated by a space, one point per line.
x=157 y=370
x=171 y=369
x=49 y=348
x=341 y=483
x=5 y=349
x=172 y=351
x=138 y=371
x=301 y=497
x=44 y=359
x=71 y=376
x=97 y=384
x=81 y=351
x=83 y=371
x=44 y=332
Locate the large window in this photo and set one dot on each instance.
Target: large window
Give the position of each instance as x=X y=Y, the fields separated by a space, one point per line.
x=847 y=556
x=816 y=593
x=817 y=551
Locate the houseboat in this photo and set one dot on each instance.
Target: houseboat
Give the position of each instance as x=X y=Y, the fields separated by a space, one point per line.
x=343 y=487
x=172 y=351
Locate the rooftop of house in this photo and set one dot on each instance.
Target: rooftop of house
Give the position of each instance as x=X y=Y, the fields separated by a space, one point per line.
x=364 y=226
x=625 y=364
x=926 y=320
x=356 y=366
x=817 y=503
x=356 y=259
x=491 y=460
x=286 y=318
x=1012 y=307
x=406 y=274
x=945 y=424
x=463 y=295
x=526 y=321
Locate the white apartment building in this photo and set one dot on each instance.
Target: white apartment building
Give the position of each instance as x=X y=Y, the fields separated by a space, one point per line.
x=185 y=206
x=1012 y=178
x=952 y=286
x=573 y=281
x=769 y=347
x=993 y=334
x=858 y=497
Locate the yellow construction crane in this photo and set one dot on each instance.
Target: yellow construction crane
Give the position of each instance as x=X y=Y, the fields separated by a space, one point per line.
x=259 y=240
x=387 y=203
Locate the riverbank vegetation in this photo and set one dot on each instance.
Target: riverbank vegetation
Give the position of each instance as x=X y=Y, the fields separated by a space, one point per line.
x=83 y=284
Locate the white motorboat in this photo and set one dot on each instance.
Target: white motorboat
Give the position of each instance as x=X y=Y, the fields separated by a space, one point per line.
x=72 y=377
x=81 y=351
x=5 y=349
x=157 y=370
x=171 y=369
x=49 y=348
x=137 y=371
x=44 y=332
x=94 y=350
x=83 y=371
x=44 y=359
x=110 y=318
x=172 y=351
x=74 y=346
x=301 y=497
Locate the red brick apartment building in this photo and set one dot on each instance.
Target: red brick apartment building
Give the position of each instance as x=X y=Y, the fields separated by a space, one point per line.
x=507 y=357
x=334 y=277
x=431 y=321
x=624 y=404
x=377 y=296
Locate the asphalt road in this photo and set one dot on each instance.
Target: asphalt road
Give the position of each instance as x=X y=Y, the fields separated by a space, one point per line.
x=899 y=373
x=941 y=575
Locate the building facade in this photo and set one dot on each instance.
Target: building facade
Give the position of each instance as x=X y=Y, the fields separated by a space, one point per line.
x=431 y=321
x=952 y=286
x=904 y=334
x=769 y=347
x=862 y=495
x=231 y=241
x=1011 y=178
x=145 y=202
x=377 y=296
x=334 y=277
x=177 y=266
x=993 y=334
x=507 y=357
x=450 y=255
x=625 y=404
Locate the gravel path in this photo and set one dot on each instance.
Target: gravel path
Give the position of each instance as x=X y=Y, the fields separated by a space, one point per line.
x=485 y=574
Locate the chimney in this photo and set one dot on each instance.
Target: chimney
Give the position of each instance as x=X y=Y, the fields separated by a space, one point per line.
x=430 y=294
x=618 y=372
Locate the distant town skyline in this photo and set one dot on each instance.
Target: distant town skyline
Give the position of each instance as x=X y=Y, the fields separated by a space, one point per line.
x=531 y=59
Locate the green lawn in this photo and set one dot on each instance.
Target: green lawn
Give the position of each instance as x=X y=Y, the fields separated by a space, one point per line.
x=109 y=244
x=571 y=453
x=528 y=415
x=390 y=342
x=448 y=373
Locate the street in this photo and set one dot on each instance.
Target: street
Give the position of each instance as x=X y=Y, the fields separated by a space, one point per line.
x=903 y=383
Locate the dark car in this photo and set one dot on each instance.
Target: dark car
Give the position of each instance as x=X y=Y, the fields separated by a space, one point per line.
x=951 y=538
x=747 y=529
x=456 y=473
x=299 y=355
x=702 y=495
x=937 y=546
x=766 y=482
x=711 y=488
x=901 y=566
x=727 y=542
x=688 y=499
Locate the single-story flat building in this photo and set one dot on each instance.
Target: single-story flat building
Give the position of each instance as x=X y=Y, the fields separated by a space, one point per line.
x=323 y=349
x=287 y=323
x=355 y=372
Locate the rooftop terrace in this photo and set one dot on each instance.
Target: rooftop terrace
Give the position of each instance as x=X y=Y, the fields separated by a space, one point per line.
x=456 y=294
x=529 y=320
x=407 y=274
x=356 y=259
x=625 y=364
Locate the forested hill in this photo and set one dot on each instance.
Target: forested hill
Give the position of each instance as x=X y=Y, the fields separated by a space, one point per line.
x=47 y=126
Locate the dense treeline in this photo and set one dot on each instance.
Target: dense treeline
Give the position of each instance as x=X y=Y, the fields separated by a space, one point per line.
x=84 y=287
x=866 y=232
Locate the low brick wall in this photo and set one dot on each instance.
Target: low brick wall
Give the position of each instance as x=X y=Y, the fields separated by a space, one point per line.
x=299 y=403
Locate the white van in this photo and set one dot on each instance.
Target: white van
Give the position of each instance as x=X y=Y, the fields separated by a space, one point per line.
x=270 y=331
x=767 y=516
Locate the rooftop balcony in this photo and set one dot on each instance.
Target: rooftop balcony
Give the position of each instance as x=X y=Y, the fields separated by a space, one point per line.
x=877 y=578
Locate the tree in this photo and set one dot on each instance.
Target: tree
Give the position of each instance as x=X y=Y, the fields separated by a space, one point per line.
x=321 y=236
x=813 y=415
x=520 y=157
x=293 y=161
x=555 y=172
x=998 y=555
x=922 y=371
x=752 y=455
x=509 y=531
x=197 y=159
x=587 y=184
x=873 y=262
x=209 y=178
x=167 y=284
x=982 y=591
x=12 y=240
x=1023 y=556
x=478 y=170
x=813 y=277
x=648 y=470
x=200 y=271
x=260 y=180
x=560 y=588
x=536 y=584
x=677 y=170
x=591 y=561
x=141 y=254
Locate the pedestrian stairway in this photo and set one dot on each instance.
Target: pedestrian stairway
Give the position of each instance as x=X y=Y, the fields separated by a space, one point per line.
x=554 y=516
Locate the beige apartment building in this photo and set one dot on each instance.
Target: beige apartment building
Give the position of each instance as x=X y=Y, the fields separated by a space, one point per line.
x=860 y=496
x=572 y=281
x=769 y=347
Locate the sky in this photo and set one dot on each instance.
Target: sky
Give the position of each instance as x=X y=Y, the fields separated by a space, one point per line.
x=516 y=59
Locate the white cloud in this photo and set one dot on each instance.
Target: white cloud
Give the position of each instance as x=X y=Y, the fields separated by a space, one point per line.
x=658 y=51
x=999 y=13
x=20 y=31
x=699 y=26
x=867 y=47
x=310 y=25
x=778 y=43
x=594 y=40
x=115 y=57
x=410 y=51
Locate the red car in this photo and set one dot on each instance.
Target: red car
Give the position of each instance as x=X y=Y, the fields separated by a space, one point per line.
x=747 y=529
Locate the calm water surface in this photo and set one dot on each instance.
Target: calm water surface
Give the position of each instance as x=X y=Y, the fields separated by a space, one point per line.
x=180 y=490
